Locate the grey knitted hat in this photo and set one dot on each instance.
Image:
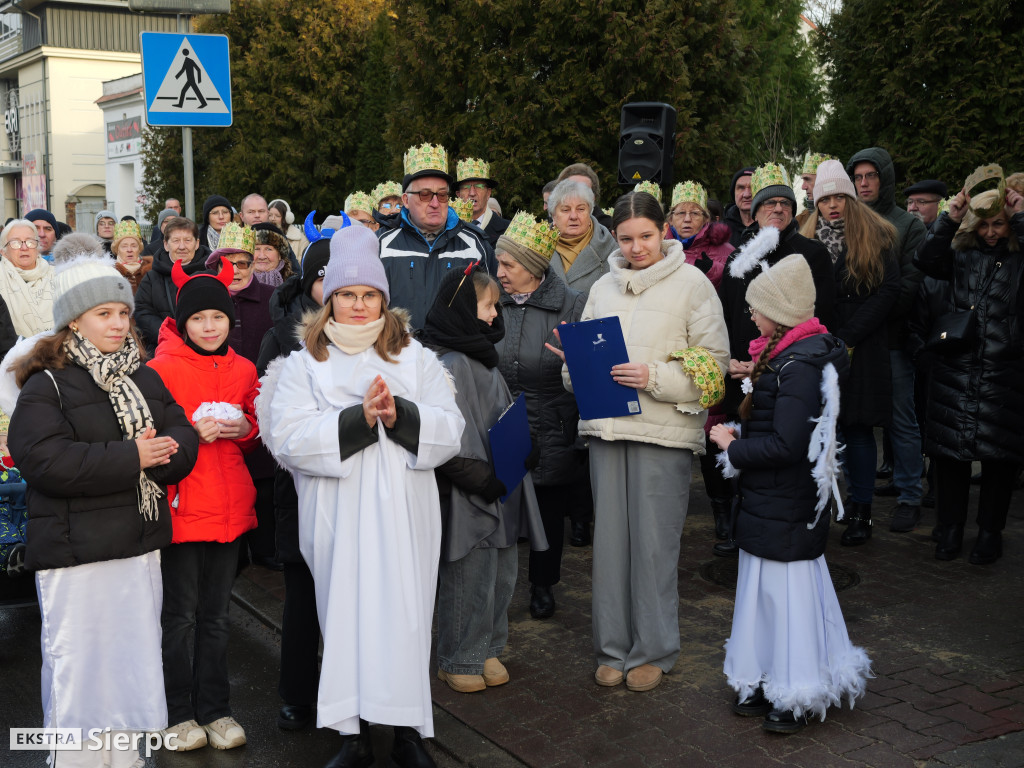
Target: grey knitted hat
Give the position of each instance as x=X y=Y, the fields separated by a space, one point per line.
x=86 y=282
x=784 y=293
x=355 y=260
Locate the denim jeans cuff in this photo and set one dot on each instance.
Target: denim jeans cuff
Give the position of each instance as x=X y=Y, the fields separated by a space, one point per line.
x=460 y=669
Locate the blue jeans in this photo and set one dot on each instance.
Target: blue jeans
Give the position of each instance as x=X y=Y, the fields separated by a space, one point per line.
x=473 y=597
x=861 y=456
x=904 y=433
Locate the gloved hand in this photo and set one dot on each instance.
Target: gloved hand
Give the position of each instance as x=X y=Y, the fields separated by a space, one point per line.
x=493 y=490
x=533 y=460
x=704 y=263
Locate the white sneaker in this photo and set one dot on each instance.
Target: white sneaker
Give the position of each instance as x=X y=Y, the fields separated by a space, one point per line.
x=225 y=733
x=184 y=736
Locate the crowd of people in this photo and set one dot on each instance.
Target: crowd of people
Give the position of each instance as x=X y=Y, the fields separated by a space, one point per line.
x=317 y=400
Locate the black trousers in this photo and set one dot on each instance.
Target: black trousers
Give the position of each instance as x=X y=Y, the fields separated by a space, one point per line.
x=197 y=580
x=719 y=488
x=555 y=502
x=300 y=637
x=953 y=488
x=261 y=538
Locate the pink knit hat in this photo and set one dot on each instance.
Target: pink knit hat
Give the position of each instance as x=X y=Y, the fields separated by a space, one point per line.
x=832 y=180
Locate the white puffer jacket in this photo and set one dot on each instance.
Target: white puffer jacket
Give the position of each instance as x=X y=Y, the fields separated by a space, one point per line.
x=667 y=307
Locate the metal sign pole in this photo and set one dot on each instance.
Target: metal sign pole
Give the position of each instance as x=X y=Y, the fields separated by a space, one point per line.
x=186 y=145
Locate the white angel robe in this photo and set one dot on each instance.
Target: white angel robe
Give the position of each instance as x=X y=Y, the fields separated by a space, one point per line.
x=369 y=526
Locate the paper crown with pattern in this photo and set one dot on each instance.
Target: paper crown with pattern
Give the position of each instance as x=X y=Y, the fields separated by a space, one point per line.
x=984 y=178
x=426 y=157
x=472 y=168
x=464 y=208
x=536 y=235
x=813 y=160
x=359 y=201
x=385 y=189
x=128 y=228
x=690 y=192
x=238 y=237
x=769 y=175
x=650 y=188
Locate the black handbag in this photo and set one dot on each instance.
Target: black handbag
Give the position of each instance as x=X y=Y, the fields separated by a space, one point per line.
x=955 y=332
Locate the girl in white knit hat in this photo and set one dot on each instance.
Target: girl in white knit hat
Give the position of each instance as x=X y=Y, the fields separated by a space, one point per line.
x=789 y=655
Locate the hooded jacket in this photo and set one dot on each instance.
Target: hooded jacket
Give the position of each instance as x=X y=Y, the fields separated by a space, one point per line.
x=157 y=294
x=216 y=502
x=415 y=268
x=910 y=233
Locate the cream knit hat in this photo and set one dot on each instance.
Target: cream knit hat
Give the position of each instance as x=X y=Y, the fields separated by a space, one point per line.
x=784 y=293
x=832 y=180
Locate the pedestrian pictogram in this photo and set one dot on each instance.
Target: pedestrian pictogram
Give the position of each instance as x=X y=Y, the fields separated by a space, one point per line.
x=187 y=79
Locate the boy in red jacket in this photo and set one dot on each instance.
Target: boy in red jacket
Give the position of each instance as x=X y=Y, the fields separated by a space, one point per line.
x=210 y=509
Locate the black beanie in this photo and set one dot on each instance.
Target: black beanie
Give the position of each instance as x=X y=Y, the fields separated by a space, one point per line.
x=214 y=201
x=201 y=292
x=314 y=263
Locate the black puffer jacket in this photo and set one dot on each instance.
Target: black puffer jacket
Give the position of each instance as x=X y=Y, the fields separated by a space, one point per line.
x=157 y=295
x=975 y=408
x=82 y=477
x=528 y=366
x=863 y=326
x=777 y=494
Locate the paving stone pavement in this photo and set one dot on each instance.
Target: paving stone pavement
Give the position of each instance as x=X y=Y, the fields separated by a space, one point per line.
x=946 y=640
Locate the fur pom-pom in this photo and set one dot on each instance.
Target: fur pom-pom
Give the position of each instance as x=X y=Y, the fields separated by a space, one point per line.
x=752 y=253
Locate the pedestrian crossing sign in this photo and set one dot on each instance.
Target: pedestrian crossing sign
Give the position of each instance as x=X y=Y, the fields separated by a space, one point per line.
x=186 y=79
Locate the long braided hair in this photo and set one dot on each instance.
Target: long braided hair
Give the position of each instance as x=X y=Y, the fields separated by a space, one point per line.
x=762 y=363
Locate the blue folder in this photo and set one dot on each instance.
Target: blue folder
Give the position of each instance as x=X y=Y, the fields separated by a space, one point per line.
x=591 y=349
x=510 y=445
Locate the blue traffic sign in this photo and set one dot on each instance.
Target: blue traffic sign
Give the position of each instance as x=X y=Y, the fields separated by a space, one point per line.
x=186 y=79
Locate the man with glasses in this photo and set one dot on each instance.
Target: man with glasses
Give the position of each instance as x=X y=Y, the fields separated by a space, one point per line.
x=472 y=183
x=923 y=200
x=428 y=238
x=874 y=177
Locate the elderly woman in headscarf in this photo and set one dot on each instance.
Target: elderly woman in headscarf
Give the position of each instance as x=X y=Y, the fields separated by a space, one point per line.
x=271 y=264
x=583 y=244
x=534 y=301
x=126 y=248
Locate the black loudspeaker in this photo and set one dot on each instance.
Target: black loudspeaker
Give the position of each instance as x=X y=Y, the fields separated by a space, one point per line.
x=647 y=143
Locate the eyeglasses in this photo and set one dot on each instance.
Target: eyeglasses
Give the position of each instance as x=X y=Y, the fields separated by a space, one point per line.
x=472 y=185
x=347 y=299
x=391 y=206
x=771 y=205
x=870 y=176
x=426 y=195
x=752 y=311
x=688 y=214
x=917 y=203
x=30 y=244
x=240 y=264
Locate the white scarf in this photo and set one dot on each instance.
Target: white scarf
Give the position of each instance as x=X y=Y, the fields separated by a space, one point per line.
x=353 y=339
x=29 y=295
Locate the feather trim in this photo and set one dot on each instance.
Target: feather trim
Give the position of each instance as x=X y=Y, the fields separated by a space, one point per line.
x=824 y=447
x=722 y=460
x=268 y=385
x=752 y=253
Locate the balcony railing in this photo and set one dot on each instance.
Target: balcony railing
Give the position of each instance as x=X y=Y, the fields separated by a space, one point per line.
x=10 y=35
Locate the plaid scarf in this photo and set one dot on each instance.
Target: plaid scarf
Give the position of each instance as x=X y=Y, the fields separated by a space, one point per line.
x=111 y=374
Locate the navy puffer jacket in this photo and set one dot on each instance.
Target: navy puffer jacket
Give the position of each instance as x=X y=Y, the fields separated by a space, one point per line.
x=777 y=494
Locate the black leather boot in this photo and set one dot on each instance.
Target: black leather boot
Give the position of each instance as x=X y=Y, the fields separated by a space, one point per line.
x=951 y=539
x=356 y=750
x=542 y=602
x=987 y=549
x=720 y=509
x=408 y=751
x=858 y=530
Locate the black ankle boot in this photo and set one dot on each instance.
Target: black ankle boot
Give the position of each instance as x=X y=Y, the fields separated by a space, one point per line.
x=356 y=750
x=858 y=529
x=728 y=548
x=720 y=509
x=987 y=549
x=409 y=751
x=951 y=539
x=542 y=602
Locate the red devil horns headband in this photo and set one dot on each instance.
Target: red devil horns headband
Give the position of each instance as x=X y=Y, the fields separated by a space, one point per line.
x=225 y=276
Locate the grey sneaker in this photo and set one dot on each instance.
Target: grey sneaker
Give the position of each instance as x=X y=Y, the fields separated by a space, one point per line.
x=225 y=733
x=905 y=518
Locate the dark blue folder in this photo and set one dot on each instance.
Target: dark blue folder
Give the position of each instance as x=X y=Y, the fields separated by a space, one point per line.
x=591 y=349
x=510 y=445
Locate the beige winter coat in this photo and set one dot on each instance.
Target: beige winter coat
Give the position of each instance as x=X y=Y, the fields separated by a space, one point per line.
x=664 y=308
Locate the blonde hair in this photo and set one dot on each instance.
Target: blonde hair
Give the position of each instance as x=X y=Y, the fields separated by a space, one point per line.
x=393 y=338
x=967 y=236
x=762 y=362
x=868 y=236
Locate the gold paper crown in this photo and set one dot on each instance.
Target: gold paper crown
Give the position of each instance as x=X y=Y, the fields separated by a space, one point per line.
x=538 y=236
x=128 y=228
x=992 y=177
x=813 y=160
x=650 y=188
x=472 y=168
x=235 y=236
x=386 y=189
x=768 y=175
x=359 y=201
x=464 y=208
x=426 y=157
x=690 y=192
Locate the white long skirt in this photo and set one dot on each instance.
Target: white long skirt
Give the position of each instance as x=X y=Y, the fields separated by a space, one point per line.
x=788 y=635
x=102 y=666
